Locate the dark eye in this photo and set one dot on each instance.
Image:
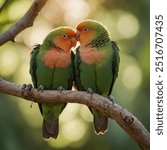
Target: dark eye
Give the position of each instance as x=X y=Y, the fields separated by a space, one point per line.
x=85 y=29
x=65 y=36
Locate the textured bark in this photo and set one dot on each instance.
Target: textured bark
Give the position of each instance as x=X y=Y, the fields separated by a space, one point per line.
x=25 y=22
x=122 y=116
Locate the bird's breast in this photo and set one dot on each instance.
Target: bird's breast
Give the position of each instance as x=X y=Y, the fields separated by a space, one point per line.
x=54 y=59
x=91 y=55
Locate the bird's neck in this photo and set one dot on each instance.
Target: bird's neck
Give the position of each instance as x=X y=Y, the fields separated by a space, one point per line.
x=100 y=41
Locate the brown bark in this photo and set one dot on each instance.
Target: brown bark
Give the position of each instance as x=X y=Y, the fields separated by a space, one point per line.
x=25 y=22
x=123 y=117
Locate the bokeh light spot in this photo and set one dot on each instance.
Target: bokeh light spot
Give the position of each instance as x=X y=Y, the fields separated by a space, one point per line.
x=61 y=142
x=86 y=114
x=75 y=11
x=8 y=62
x=128 y=25
x=22 y=74
x=39 y=31
x=66 y=116
x=74 y=130
x=132 y=76
x=18 y=9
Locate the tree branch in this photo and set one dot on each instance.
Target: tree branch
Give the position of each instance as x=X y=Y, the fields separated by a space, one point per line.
x=3 y=5
x=25 y=22
x=123 y=118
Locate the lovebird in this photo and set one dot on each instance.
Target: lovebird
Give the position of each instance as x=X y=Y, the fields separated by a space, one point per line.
x=52 y=68
x=96 y=65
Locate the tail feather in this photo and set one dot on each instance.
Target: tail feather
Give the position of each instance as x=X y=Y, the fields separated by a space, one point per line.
x=50 y=129
x=100 y=124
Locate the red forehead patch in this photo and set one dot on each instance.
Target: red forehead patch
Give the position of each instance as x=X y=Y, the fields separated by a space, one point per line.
x=81 y=26
x=70 y=32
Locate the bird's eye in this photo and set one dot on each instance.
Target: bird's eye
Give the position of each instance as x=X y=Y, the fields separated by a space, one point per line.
x=85 y=29
x=65 y=36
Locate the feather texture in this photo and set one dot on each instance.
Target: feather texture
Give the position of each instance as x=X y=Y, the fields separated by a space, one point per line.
x=101 y=75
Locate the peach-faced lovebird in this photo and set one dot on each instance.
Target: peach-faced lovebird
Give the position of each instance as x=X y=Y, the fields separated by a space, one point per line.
x=97 y=64
x=51 y=68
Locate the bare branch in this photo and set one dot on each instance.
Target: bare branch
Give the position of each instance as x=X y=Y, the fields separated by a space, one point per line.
x=123 y=118
x=3 y=5
x=25 y=22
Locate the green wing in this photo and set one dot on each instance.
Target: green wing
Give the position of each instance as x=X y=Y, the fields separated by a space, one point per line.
x=72 y=71
x=77 y=61
x=115 y=64
x=33 y=65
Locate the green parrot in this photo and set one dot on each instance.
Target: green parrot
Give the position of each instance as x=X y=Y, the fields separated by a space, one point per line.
x=96 y=65
x=52 y=68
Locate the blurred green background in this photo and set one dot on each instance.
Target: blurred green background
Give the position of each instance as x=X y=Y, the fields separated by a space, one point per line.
x=128 y=23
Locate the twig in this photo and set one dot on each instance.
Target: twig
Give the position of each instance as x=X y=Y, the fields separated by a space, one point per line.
x=25 y=22
x=3 y=5
x=123 y=118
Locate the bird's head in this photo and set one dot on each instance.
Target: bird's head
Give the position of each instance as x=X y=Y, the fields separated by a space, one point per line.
x=62 y=37
x=88 y=30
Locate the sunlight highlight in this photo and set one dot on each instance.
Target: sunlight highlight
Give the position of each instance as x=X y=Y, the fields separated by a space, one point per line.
x=74 y=11
x=37 y=34
x=132 y=77
x=8 y=62
x=131 y=73
x=74 y=130
x=66 y=116
x=16 y=9
x=128 y=25
x=61 y=142
x=22 y=74
x=86 y=114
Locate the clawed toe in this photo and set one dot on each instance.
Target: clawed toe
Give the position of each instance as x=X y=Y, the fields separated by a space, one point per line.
x=40 y=88
x=60 y=89
x=25 y=89
x=111 y=98
x=90 y=91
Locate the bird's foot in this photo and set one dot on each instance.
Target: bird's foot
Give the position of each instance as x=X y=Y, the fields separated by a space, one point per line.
x=111 y=98
x=90 y=91
x=40 y=88
x=60 y=89
x=25 y=90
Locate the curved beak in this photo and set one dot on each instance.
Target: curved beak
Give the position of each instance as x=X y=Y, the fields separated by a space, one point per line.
x=77 y=35
x=73 y=41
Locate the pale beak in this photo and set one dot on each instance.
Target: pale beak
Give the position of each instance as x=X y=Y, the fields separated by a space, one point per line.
x=77 y=35
x=73 y=41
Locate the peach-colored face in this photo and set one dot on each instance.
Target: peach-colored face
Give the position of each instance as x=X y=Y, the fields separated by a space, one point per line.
x=67 y=40
x=84 y=34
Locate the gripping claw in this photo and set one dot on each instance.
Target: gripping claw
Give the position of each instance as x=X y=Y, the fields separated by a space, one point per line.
x=25 y=90
x=60 y=89
x=111 y=98
x=90 y=91
x=40 y=88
